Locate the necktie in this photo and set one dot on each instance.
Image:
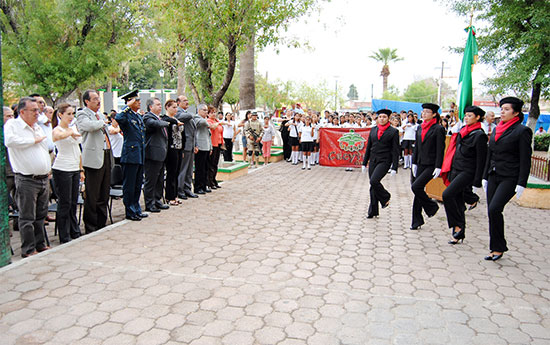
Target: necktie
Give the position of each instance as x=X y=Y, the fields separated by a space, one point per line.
x=107 y=141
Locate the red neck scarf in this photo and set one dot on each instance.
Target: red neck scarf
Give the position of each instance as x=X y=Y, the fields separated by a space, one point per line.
x=503 y=126
x=469 y=128
x=426 y=127
x=382 y=129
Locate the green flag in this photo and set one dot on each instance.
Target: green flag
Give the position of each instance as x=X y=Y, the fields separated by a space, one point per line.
x=465 y=91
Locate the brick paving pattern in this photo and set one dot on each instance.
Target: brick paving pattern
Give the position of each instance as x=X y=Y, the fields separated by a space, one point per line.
x=285 y=256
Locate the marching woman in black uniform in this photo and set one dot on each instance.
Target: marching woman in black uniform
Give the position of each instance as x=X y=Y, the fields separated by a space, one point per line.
x=427 y=160
x=506 y=170
x=463 y=167
x=383 y=153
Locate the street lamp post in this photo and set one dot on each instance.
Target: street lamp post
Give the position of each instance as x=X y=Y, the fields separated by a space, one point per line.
x=161 y=74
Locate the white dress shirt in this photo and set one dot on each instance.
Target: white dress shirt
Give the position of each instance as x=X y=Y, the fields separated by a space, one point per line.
x=26 y=157
x=46 y=126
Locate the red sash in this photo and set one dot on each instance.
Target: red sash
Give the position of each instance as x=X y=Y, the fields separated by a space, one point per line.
x=426 y=127
x=451 y=150
x=382 y=129
x=503 y=126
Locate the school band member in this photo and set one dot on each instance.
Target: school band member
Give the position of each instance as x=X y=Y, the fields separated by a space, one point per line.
x=506 y=170
x=426 y=162
x=463 y=167
x=294 y=125
x=306 y=133
x=383 y=153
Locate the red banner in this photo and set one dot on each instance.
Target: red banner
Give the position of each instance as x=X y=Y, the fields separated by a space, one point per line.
x=343 y=147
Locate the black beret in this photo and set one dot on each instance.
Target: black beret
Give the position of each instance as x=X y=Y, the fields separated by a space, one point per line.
x=431 y=106
x=511 y=100
x=384 y=111
x=474 y=109
x=130 y=95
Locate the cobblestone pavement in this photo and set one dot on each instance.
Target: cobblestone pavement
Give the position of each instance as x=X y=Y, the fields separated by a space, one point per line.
x=285 y=256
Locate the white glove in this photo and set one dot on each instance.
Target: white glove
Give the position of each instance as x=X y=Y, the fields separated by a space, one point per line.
x=519 y=191
x=393 y=172
x=476 y=190
x=414 y=169
x=363 y=168
x=484 y=184
x=436 y=173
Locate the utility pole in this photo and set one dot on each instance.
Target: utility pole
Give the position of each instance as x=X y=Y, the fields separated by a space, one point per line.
x=440 y=83
x=5 y=248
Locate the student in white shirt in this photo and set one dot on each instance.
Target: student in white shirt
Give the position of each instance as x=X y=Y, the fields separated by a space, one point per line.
x=67 y=171
x=116 y=139
x=306 y=140
x=316 y=127
x=409 y=136
x=294 y=126
x=229 y=134
x=267 y=140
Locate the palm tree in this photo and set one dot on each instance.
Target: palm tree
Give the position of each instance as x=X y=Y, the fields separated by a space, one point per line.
x=385 y=55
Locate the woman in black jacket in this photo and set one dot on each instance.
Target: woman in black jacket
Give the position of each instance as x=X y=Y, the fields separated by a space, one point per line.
x=466 y=157
x=506 y=170
x=383 y=153
x=427 y=160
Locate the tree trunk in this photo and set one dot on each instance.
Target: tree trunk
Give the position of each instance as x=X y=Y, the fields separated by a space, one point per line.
x=247 y=87
x=180 y=63
x=231 y=65
x=534 y=110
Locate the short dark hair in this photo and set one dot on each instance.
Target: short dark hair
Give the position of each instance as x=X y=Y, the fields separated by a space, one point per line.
x=150 y=103
x=23 y=102
x=86 y=95
x=33 y=95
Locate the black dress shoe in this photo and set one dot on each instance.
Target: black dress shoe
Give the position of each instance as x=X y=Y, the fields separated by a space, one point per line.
x=163 y=207
x=134 y=218
x=493 y=257
x=386 y=204
x=370 y=216
x=191 y=195
x=208 y=190
x=182 y=196
x=218 y=186
x=143 y=215
x=152 y=210
x=213 y=187
x=200 y=191
x=418 y=227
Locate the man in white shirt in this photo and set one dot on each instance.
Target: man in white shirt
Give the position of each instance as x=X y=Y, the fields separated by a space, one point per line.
x=31 y=163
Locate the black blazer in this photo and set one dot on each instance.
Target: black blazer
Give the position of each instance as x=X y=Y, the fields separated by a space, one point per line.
x=385 y=150
x=470 y=155
x=432 y=150
x=156 y=137
x=510 y=156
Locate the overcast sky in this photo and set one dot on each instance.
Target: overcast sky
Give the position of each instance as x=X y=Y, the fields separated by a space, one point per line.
x=346 y=32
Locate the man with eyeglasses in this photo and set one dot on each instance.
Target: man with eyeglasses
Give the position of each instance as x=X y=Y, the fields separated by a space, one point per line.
x=31 y=163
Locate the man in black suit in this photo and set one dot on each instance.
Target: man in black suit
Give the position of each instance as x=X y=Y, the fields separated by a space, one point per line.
x=156 y=147
x=185 y=178
x=383 y=153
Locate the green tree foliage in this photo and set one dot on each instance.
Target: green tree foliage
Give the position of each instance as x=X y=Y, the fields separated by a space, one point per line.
x=385 y=56
x=352 y=93
x=421 y=91
x=392 y=94
x=211 y=34
x=514 y=36
x=53 y=46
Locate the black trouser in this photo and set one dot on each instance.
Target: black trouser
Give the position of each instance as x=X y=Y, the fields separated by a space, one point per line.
x=201 y=165
x=32 y=198
x=154 y=183
x=213 y=160
x=499 y=191
x=66 y=187
x=98 y=185
x=378 y=194
x=421 y=200
x=469 y=196
x=228 y=153
x=453 y=198
x=287 y=149
x=185 y=177
x=132 y=179
x=173 y=166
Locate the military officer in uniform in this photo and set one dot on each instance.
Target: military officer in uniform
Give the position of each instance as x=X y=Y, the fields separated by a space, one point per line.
x=254 y=130
x=133 y=154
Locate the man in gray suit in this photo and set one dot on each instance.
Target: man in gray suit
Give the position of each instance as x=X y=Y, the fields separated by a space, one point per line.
x=96 y=160
x=185 y=178
x=156 y=147
x=204 y=145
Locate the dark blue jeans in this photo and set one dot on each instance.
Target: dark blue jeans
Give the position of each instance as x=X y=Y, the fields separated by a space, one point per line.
x=66 y=187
